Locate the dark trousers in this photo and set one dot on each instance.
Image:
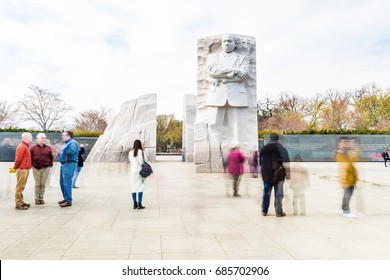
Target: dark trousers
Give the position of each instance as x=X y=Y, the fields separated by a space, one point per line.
x=386 y=159
x=346 y=199
x=236 y=182
x=278 y=190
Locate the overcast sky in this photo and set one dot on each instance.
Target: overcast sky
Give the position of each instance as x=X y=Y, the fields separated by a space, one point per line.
x=101 y=53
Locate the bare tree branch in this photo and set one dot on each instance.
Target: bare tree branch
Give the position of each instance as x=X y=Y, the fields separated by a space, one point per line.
x=43 y=107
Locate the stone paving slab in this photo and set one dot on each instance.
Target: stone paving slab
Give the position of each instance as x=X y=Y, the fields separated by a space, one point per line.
x=193 y=216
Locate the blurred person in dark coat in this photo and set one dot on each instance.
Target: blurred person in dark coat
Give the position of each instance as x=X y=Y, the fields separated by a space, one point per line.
x=274 y=162
x=80 y=165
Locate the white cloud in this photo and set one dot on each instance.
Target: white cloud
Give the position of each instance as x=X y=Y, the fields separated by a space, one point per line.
x=101 y=53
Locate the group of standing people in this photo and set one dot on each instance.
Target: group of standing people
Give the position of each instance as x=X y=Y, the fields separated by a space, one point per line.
x=275 y=170
x=273 y=160
x=40 y=159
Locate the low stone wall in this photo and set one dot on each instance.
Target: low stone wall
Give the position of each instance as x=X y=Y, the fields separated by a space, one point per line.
x=10 y=140
x=322 y=148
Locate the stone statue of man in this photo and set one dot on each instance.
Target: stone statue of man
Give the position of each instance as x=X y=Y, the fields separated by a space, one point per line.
x=227 y=72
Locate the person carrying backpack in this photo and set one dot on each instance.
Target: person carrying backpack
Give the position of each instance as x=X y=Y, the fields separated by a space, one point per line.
x=139 y=171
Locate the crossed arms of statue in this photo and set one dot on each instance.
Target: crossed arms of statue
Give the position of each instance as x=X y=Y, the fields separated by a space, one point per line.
x=222 y=74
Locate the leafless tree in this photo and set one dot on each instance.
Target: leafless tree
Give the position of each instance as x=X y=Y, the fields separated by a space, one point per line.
x=266 y=107
x=93 y=120
x=336 y=114
x=8 y=114
x=43 y=107
x=290 y=103
x=313 y=111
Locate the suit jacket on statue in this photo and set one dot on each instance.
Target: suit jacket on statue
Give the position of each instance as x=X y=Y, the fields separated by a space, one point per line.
x=225 y=87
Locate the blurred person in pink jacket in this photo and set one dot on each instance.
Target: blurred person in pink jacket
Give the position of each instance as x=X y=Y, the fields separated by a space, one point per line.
x=299 y=183
x=236 y=168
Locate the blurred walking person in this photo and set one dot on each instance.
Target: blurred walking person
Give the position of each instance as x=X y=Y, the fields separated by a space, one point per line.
x=299 y=183
x=254 y=164
x=80 y=165
x=347 y=174
x=137 y=158
x=236 y=168
x=42 y=160
x=386 y=156
x=68 y=158
x=274 y=162
x=356 y=152
x=22 y=165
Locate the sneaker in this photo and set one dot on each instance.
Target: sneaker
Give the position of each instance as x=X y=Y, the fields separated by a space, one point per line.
x=26 y=204
x=60 y=202
x=349 y=215
x=281 y=215
x=264 y=214
x=359 y=215
x=75 y=187
x=21 y=207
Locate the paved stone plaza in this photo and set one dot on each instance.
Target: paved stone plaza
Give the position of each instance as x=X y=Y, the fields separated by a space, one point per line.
x=190 y=216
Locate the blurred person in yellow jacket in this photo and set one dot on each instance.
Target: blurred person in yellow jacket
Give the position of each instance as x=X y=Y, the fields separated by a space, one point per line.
x=346 y=158
x=356 y=157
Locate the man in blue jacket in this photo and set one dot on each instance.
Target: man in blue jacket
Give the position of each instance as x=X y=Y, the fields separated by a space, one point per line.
x=68 y=158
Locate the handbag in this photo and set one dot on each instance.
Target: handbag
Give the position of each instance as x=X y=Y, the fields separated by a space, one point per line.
x=146 y=169
x=279 y=170
x=280 y=174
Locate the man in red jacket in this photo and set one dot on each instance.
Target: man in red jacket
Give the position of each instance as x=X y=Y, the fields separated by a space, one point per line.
x=22 y=165
x=42 y=161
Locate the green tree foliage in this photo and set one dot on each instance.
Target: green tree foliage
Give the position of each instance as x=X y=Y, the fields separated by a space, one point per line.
x=169 y=133
x=373 y=111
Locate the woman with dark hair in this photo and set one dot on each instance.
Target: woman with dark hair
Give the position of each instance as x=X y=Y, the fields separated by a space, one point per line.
x=137 y=157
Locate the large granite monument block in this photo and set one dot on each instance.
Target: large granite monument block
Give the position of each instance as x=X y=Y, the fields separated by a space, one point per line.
x=135 y=120
x=189 y=113
x=226 y=114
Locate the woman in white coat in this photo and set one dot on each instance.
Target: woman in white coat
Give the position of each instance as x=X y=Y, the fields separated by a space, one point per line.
x=136 y=158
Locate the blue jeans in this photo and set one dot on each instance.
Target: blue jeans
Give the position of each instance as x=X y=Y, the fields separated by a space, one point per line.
x=66 y=175
x=75 y=176
x=278 y=189
x=346 y=199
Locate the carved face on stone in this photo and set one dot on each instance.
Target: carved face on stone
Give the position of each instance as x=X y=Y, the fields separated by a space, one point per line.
x=245 y=44
x=228 y=43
